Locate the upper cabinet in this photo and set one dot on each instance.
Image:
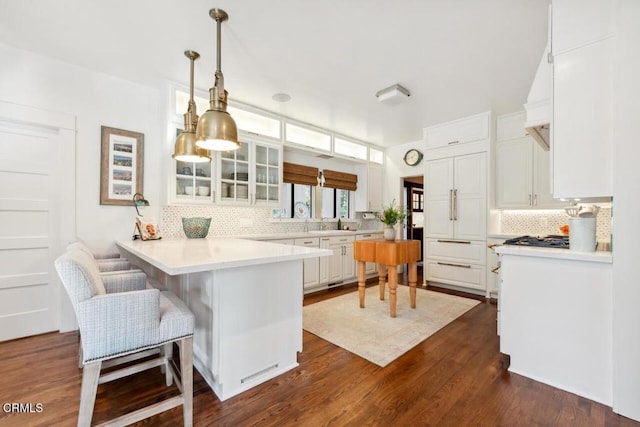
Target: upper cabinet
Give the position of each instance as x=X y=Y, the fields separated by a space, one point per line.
x=576 y=23
x=456 y=132
x=522 y=167
x=582 y=47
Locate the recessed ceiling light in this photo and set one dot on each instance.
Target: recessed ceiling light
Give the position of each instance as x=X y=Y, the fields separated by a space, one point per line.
x=281 y=97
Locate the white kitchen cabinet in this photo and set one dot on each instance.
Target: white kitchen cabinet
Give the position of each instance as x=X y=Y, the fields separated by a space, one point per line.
x=368 y=197
x=370 y=267
x=456 y=198
x=311 y=266
x=523 y=175
x=455 y=221
x=325 y=262
x=341 y=264
x=250 y=175
x=582 y=45
x=468 y=129
x=577 y=23
x=582 y=121
x=193 y=183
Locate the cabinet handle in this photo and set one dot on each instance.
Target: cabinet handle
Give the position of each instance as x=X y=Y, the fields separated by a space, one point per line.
x=491 y=245
x=530 y=204
x=455 y=204
x=535 y=200
x=310 y=241
x=324 y=239
x=466 y=242
x=364 y=236
x=452 y=142
x=495 y=269
x=454 y=265
x=450 y=205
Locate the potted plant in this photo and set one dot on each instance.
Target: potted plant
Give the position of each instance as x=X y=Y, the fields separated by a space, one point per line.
x=390 y=216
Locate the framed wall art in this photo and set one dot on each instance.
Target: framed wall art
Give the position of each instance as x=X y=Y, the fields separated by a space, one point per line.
x=121 y=166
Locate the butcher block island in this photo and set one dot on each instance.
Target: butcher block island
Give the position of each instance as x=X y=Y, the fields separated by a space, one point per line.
x=246 y=297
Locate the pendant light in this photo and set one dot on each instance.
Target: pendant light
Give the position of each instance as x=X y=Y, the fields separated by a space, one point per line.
x=185 y=149
x=216 y=128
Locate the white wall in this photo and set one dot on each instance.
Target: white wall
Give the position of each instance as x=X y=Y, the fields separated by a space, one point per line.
x=626 y=205
x=95 y=99
x=396 y=169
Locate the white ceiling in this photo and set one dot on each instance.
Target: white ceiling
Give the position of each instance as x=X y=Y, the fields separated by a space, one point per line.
x=457 y=57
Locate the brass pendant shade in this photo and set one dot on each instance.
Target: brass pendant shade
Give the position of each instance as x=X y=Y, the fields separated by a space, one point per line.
x=216 y=128
x=185 y=148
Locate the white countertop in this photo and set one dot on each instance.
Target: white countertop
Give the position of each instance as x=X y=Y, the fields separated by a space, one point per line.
x=182 y=256
x=566 y=254
x=303 y=234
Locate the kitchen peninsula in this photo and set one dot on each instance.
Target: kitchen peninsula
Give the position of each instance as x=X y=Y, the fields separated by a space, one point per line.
x=246 y=297
x=555 y=317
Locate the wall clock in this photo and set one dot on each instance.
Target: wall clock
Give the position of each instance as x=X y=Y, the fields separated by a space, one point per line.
x=412 y=157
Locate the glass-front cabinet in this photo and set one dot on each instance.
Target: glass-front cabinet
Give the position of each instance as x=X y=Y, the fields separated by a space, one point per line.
x=193 y=182
x=234 y=175
x=252 y=174
x=267 y=174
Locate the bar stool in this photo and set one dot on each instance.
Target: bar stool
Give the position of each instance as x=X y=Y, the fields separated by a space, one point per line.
x=121 y=320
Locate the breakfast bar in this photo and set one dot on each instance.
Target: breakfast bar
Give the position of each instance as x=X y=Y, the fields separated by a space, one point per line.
x=246 y=297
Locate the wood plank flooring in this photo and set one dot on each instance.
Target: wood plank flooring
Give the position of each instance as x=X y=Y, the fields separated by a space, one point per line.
x=454 y=378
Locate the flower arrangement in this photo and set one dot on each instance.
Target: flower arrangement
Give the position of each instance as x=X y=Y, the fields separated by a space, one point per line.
x=392 y=214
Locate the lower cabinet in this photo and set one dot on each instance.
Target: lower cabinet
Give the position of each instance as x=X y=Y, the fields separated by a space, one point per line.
x=311 y=266
x=459 y=263
x=371 y=267
x=341 y=263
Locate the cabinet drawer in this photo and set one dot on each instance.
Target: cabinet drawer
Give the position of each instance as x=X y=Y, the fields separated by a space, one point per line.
x=457 y=251
x=467 y=275
x=369 y=236
x=341 y=239
x=458 y=132
x=309 y=242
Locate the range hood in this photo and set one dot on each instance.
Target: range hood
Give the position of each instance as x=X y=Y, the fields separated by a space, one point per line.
x=538 y=106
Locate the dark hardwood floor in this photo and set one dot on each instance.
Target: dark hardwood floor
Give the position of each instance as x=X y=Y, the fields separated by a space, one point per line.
x=454 y=378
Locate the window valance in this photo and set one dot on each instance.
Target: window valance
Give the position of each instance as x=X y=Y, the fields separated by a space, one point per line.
x=340 y=180
x=299 y=174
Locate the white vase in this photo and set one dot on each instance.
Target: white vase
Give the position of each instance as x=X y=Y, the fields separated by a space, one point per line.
x=389 y=232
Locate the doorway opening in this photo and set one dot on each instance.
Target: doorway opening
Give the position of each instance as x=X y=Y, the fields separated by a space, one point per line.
x=413 y=200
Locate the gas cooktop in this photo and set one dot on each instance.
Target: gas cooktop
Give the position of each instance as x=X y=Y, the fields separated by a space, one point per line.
x=561 y=242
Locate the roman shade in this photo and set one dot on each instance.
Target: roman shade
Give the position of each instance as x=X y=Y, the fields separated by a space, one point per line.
x=299 y=174
x=340 y=180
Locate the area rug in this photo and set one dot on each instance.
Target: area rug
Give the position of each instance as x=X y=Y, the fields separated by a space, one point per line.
x=371 y=333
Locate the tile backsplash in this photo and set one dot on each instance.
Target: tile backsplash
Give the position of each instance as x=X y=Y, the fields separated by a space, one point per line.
x=240 y=220
x=545 y=222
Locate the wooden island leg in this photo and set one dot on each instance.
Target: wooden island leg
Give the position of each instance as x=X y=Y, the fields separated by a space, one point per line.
x=382 y=278
x=413 y=278
x=392 y=270
x=362 y=278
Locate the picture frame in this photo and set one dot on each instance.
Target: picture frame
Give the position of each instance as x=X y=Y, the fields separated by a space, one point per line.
x=121 y=166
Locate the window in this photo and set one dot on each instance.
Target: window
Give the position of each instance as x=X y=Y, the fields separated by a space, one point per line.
x=376 y=156
x=307 y=137
x=298 y=201
x=335 y=203
x=350 y=149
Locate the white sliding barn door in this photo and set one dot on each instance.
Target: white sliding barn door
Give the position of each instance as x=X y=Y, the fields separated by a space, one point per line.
x=37 y=216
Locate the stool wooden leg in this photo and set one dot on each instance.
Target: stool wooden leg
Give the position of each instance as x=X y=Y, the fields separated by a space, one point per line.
x=393 y=285
x=413 y=278
x=186 y=370
x=90 y=376
x=168 y=355
x=382 y=278
x=362 y=279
